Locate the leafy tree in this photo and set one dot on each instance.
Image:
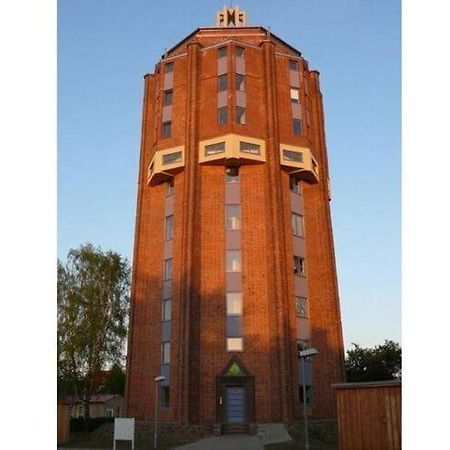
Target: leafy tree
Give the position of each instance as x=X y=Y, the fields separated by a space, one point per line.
x=93 y=295
x=115 y=381
x=382 y=362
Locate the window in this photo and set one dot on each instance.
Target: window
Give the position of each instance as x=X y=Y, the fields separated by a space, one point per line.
x=239 y=52
x=223 y=82
x=247 y=147
x=171 y=158
x=165 y=352
x=308 y=391
x=240 y=115
x=297 y=224
x=235 y=344
x=166 y=129
x=295 y=96
x=293 y=65
x=109 y=412
x=289 y=155
x=301 y=307
x=233 y=217
x=297 y=126
x=168 y=97
x=168 y=269
x=234 y=303
x=299 y=266
x=233 y=261
x=165 y=396
x=214 y=149
x=232 y=175
x=240 y=82
x=169 y=189
x=166 y=309
x=222 y=115
x=222 y=52
x=294 y=185
x=169 y=228
x=168 y=68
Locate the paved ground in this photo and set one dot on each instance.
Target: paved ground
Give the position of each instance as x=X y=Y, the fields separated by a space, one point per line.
x=228 y=442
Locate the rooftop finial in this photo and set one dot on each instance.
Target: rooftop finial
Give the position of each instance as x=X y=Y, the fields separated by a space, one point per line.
x=231 y=16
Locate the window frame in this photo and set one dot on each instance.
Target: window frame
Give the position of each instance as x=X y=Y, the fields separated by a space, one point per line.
x=165 y=352
x=222 y=119
x=168 y=269
x=297 y=225
x=222 y=52
x=231 y=265
x=241 y=115
x=166 y=310
x=165 y=156
x=239 y=86
x=220 y=87
x=302 y=272
x=168 y=92
x=166 y=129
x=297 y=130
x=229 y=218
x=168 y=228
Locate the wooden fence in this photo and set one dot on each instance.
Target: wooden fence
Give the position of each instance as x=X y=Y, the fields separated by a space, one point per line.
x=63 y=426
x=369 y=415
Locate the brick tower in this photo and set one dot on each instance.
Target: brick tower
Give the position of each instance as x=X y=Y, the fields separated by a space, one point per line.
x=234 y=266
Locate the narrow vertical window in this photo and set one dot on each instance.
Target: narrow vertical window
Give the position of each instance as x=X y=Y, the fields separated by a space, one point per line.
x=169 y=228
x=239 y=52
x=299 y=266
x=222 y=115
x=233 y=261
x=166 y=129
x=168 y=269
x=165 y=396
x=293 y=65
x=297 y=224
x=168 y=68
x=169 y=189
x=233 y=217
x=297 y=126
x=240 y=82
x=240 y=115
x=166 y=309
x=294 y=185
x=222 y=52
x=295 y=95
x=168 y=97
x=301 y=307
x=165 y=352
x=223 y=82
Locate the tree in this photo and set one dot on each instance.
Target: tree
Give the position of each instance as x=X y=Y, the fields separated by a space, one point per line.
x=93 y=296
x=382 y=362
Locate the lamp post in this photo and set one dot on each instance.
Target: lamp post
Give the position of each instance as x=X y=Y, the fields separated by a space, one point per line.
x=303 y=355
x=157 y=381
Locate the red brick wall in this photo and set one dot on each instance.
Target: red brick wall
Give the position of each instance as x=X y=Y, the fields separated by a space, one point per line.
x=198 y=338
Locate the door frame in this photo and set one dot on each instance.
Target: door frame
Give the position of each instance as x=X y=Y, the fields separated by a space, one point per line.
x=246 y=380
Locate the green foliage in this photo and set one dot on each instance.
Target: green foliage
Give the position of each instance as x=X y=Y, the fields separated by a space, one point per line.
x=115 y=381
x=380 y=363
x=93 y=296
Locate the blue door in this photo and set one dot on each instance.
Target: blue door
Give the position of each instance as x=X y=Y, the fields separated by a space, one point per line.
x=235 y=404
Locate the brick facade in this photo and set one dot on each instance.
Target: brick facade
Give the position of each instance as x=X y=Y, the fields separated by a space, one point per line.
x=198 y=315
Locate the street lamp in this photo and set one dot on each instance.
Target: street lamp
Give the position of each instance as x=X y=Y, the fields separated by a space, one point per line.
x=157 y=381
x=303 y=355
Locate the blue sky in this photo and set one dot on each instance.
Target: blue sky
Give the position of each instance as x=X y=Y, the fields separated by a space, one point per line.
x=106 y=46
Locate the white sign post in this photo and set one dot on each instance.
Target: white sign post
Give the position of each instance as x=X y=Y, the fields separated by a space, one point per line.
x=123 y=431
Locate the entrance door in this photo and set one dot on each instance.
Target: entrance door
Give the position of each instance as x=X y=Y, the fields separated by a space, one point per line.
x=235 y=404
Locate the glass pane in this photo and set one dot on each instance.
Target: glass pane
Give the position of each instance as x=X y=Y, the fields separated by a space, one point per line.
x=213 y=149
x=297 y=126
x=294 y=95
x=169 y=228
x=223 y=115
x=235 y=344
x=294 y=185
x=169 y=189
x=289 y=155
x=240 y=115
x=165 y=346
x=234 y=303
x=301 y=307
x=293 y=65
x=239 y=52
x=233 y=217
x=171 y=158
x=223 y=82
x=233 y=260
x=240 y=82
x=168 y=97
x=168 y=269
x=299 y=265
x=168 y=68
x=166 y=310
x=297 y=224
x=247 y=147
x=222 y=52
x=166 y=129
x=234 y=326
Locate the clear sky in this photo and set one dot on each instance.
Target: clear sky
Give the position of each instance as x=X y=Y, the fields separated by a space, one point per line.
x=106 y=46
